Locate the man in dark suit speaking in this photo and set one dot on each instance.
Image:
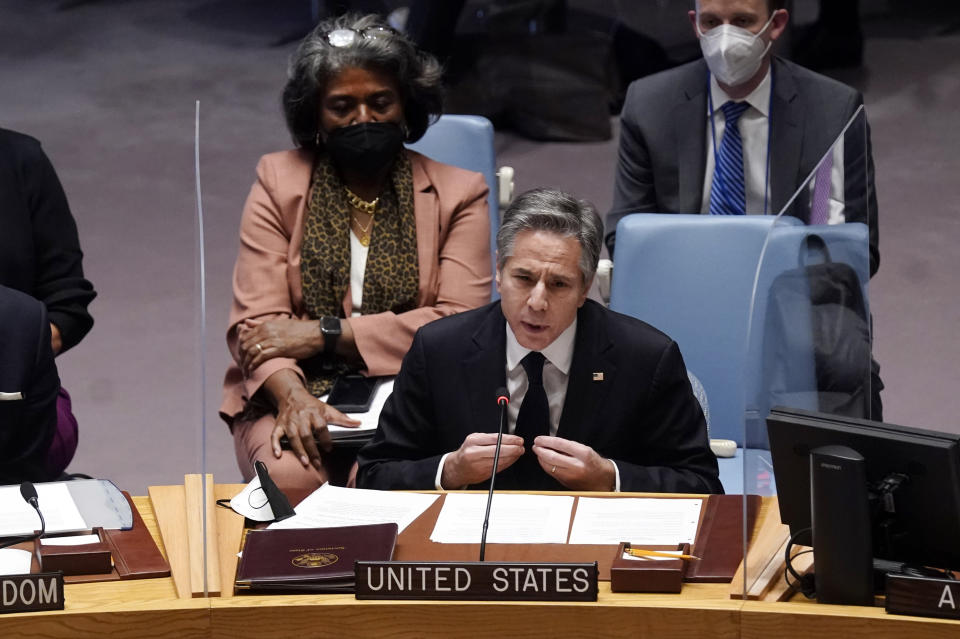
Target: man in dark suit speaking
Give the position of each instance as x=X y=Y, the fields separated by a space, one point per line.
x=599 y=400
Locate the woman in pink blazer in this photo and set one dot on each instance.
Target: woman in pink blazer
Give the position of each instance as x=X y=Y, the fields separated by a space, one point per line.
x=348 y=244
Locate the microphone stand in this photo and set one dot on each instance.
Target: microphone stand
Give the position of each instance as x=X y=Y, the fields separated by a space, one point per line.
x=502 y=401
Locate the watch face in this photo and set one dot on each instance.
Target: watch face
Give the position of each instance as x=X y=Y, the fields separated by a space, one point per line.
x=330 y=325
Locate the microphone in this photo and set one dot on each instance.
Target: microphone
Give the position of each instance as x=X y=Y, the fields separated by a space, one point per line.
x=29 y=494
x=503 y=399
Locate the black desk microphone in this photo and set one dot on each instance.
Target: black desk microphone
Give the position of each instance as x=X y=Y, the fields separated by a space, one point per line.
x=29 y=494
x=503 y=399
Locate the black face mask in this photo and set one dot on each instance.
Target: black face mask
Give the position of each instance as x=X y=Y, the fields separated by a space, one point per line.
x=366 y=148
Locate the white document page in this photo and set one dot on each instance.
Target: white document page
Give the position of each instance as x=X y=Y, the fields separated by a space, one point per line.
x=369 y=419
x=639 y=520
x=514 y=519
x=72 y=540
x=17 y=517
x=14 y=561
x=330 y=506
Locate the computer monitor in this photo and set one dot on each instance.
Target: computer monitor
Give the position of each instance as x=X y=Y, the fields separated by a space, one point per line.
x=922 y=467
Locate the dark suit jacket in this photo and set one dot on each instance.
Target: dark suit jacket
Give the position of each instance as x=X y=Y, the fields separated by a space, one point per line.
x=643 y=414
x=27 y=425
x=663 y=130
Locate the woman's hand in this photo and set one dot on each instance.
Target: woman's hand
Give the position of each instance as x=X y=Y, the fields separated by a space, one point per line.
x=303 y=419
x=263 y=340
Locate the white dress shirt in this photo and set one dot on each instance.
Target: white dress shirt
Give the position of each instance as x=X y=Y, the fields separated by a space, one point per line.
x=556 y=375
x=754 y=127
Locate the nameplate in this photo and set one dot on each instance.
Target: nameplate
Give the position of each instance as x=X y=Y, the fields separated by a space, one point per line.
x=923 y=596
x=30 y=593
x=476 y=581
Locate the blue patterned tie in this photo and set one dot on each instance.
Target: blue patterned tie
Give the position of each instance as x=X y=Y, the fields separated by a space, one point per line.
x=727 y=194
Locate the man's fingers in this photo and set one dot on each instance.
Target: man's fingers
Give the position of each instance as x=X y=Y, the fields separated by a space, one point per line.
x=561 y=445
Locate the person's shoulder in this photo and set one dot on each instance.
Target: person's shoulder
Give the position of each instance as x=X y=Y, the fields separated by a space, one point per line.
x=625 y=330
x=16 y=140
x=290 y=159
x=459 y=326
x=20 y=148
x=669 y=80
x=807 y=79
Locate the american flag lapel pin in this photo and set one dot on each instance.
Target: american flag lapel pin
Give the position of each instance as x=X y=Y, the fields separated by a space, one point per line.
x=598 y=376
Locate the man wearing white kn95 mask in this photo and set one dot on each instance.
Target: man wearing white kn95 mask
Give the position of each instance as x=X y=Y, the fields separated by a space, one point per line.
x=739 y=131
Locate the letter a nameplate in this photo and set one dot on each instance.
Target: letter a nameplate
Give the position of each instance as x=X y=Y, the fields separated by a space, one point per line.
x=31 y=593
x=923 y=596
x=476 y=580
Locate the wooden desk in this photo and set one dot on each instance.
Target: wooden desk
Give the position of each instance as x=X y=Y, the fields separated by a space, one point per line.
x=150 y=608
x=121 y=609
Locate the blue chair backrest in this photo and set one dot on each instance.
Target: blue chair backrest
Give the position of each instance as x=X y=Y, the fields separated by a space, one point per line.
x=466 y=141
x=692 y=277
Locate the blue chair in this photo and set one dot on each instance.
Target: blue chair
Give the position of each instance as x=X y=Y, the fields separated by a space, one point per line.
x=466 y=141
x=693 y=277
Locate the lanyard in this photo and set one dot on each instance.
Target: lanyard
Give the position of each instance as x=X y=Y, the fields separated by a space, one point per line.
x=713 y=133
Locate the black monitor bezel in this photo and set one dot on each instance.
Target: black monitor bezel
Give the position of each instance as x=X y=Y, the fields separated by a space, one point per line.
x=793 y=432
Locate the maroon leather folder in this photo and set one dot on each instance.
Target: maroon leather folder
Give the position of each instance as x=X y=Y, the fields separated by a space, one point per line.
x=311 y=559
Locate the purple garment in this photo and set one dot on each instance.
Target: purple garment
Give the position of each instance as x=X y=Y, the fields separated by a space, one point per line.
x=820 y=206
x=64 y=443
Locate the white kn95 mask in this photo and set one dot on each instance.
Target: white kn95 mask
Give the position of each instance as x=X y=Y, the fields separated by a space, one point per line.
x=733 y=54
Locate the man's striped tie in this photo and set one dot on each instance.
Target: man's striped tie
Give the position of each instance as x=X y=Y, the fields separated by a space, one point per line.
x=728 y=194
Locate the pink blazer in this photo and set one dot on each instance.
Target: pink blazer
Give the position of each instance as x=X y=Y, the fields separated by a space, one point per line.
x=453 y=231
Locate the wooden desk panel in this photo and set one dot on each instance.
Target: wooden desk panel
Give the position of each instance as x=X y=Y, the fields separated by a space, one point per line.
x=135 y=608
x=804 y=619
x=699 y=607
x=150 y=608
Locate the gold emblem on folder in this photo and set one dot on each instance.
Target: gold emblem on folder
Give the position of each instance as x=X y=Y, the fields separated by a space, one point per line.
x=314 y=559
x=598 y=376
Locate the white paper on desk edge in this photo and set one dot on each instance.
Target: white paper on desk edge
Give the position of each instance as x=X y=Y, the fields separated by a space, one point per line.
x=56 y=503
x=325 y=508
x=543 y=519
x=598 y=511
x=71 y=540
x=14 y=561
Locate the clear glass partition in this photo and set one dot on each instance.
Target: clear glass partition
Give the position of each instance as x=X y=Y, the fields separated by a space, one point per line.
x=809 y=335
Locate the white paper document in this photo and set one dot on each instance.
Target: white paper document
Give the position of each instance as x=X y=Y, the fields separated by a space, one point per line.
x=330 y=506
x=514 y=519
x=369 y=419
x=72 y=540
x=14 y=561
x=639 y=520
x=60 y=512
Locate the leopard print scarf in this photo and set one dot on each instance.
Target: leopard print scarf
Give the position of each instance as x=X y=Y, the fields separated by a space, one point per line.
x=391 y=279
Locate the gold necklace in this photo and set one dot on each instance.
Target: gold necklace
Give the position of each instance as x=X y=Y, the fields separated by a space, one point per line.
x=364 y=235
x=360 y=204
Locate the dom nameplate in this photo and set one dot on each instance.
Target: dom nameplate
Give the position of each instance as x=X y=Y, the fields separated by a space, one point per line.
x=923 y=596
x=30 y=593
x=476 y=581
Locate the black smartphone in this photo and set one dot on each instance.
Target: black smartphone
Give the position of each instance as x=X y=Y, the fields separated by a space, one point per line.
x=353 y=393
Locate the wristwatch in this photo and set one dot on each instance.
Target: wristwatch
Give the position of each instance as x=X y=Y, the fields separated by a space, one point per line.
x=330 y=329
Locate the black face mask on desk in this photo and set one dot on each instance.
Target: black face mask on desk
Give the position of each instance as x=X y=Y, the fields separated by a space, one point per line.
x=366 y=148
